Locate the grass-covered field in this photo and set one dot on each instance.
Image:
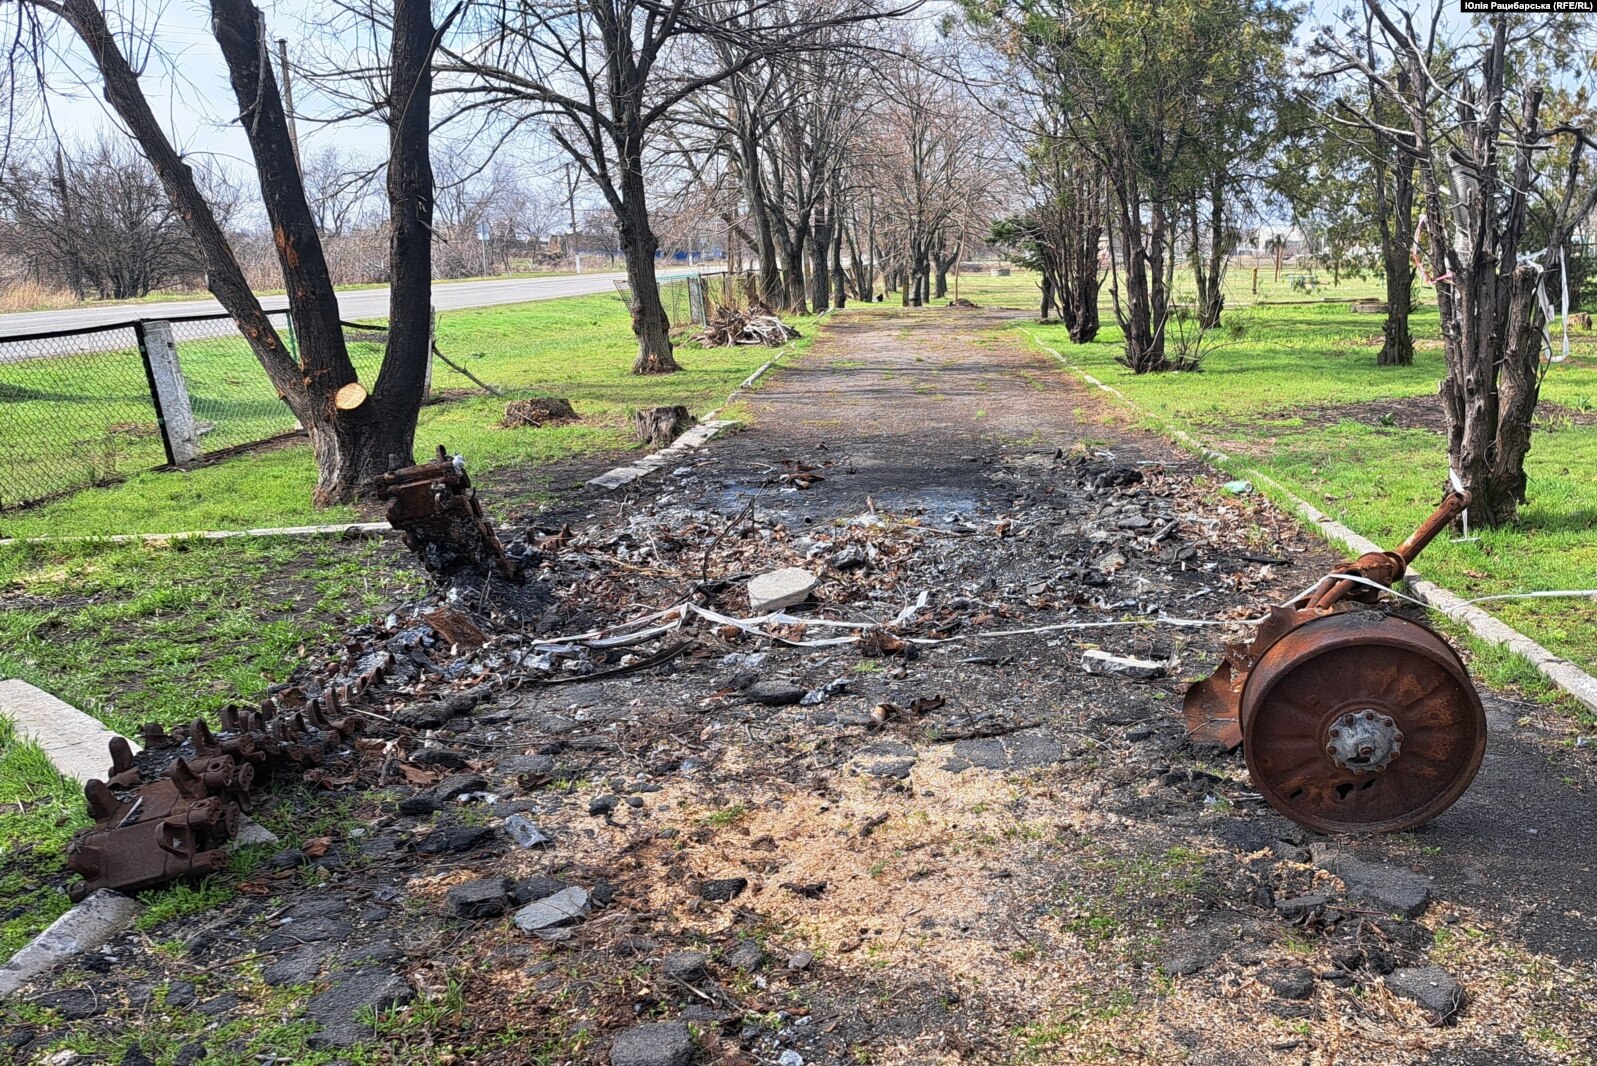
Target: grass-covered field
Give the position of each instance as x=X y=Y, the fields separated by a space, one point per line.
x=1301 y=399
x=579 y=347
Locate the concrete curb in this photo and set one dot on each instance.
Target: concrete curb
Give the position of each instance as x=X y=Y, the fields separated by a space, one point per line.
x=83 y=928
x=348 y=529
x=694 y=438
x=1580 y=685
x=77 y=744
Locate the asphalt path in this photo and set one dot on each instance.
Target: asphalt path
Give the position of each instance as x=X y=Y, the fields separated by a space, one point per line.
x=352 y=304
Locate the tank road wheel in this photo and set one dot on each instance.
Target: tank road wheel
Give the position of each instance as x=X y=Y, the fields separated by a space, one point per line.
x=1361 y=722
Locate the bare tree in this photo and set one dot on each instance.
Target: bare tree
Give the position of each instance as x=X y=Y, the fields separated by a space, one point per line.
x=341 y=188
x=930 y=168
x=602 y=78
x=354 y=432
x=95 y=220
x=1473 y=119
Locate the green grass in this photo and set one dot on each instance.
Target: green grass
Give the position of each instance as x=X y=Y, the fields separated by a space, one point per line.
x=137 y=633
x=1255 y=401
x=580 y=348
x=140 y=633
x=39 y=812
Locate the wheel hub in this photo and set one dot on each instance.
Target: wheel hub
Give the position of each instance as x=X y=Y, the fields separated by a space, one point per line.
x=1364 y=741
x=1360 y=722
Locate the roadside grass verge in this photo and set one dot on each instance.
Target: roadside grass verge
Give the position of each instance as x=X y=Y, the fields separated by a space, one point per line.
x=1299 y=398
x=579 y=347
x=140 y=633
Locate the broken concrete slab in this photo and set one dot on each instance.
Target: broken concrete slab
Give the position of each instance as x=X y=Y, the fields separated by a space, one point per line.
x=352 y=997
x=1430 y=986
x=563 y=908
x=780 y=588
x=1387 y=887
x=75 y=742
x=1026 y=750
x=486 y=897
x=653 y=1044
x=83 y=928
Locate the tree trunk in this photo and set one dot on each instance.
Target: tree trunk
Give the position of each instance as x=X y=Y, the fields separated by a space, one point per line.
x=402 y=381
x=650 y=323
x=1142 y=320
x=839 y=277
x=820 y=269
x=793 y=277
x=1211 y=299
x=1396 y=223
x=1518 y=386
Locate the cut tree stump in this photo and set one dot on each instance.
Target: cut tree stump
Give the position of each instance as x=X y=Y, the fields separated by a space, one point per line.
x=1369 y=307
x=350 y=396
x=660 y=425
x=537 y=411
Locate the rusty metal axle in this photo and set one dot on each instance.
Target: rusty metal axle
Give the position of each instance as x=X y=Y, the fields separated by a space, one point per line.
x=1350 y=720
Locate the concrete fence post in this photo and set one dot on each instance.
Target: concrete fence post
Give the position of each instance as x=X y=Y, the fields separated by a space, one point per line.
x=432 y=343
x=173 y=413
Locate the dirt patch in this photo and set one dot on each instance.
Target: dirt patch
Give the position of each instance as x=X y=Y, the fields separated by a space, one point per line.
x=1417 y=412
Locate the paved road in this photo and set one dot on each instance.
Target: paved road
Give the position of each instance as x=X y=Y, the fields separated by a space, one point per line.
x=356 y=303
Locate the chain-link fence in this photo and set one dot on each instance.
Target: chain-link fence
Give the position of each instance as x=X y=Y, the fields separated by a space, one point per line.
x=693 y=299
x=75 y=411
x=84 y=407
x=234 y=404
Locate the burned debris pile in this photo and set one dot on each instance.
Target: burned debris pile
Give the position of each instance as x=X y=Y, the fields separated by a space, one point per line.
x=1106 y=552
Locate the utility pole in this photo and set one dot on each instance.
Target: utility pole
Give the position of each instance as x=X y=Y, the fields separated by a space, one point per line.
x=288 y=98
x=571 y=201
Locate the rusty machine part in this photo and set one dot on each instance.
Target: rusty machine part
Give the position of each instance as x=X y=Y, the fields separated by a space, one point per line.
x=169 y=812
x=436 y=507
x=1350 y=720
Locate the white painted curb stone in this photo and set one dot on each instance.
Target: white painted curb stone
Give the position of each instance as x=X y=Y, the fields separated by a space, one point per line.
x=83 y=928
x=75 y=742
x=695 y=438
x=348 y=529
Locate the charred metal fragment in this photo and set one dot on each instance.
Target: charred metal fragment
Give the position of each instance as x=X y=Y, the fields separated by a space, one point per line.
x=1350 y=720
x=436 y=507
x=169 y=811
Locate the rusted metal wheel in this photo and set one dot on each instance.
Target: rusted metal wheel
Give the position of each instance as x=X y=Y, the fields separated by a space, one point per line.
x=1361 y=722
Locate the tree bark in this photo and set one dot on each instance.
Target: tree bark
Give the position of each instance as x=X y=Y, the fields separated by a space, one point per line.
x=820 y=244
x=650 y=323
x=1518 y=386
x=839 y=276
